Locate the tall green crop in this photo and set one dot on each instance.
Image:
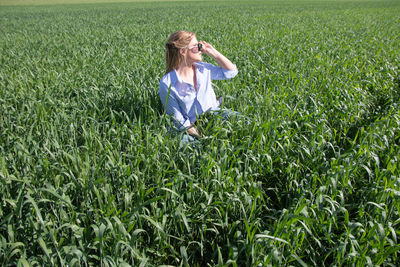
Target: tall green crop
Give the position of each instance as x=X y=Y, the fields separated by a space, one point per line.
x=92 y=175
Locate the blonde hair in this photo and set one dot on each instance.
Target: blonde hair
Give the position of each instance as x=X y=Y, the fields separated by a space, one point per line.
x=176 y=41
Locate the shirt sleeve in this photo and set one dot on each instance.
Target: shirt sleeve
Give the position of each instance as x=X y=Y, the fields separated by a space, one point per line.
x=172 y=108
x=219 y=73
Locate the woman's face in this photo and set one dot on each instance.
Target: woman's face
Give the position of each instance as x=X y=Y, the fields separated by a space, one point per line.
x=192 y=52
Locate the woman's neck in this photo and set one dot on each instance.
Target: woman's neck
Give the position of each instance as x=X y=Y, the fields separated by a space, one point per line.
x=186 y=73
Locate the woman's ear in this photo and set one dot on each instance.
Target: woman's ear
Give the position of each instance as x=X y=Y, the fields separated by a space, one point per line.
x=182 y=51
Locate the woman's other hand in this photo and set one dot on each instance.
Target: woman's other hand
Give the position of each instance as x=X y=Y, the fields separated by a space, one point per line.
x=193 y=132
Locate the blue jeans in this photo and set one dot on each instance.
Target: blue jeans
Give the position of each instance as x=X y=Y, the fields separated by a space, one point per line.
x=226 y=113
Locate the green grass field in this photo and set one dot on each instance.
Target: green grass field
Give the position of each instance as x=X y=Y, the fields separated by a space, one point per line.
x=69 y=2
x=90 y=174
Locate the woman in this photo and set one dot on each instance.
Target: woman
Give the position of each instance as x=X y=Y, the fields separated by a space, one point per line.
x=186 y=90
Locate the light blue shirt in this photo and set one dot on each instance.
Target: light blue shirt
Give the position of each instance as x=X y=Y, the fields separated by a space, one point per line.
x=183 y=102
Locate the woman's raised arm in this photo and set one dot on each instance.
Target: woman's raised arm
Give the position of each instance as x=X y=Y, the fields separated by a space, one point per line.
x=223 y=61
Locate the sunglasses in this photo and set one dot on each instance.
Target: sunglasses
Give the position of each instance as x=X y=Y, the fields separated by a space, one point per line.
x=196 y=48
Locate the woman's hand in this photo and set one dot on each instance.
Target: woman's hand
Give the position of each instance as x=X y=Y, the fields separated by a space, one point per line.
x=193 y=132
x=208 y=49
x=217 y=56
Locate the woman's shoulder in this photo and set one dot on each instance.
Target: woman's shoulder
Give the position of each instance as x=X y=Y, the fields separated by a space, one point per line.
x=204 y=65
x=166 y=79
